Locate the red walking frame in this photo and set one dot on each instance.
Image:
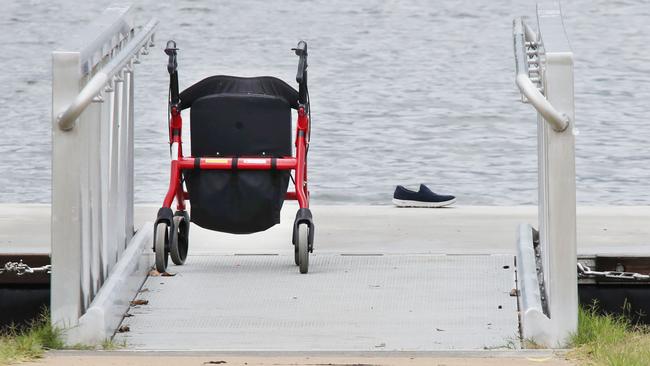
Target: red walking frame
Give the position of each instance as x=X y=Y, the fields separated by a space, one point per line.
x=171 y=229
x=180 y=163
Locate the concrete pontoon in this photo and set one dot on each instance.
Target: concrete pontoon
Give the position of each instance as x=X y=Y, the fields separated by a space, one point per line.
x=383 y=279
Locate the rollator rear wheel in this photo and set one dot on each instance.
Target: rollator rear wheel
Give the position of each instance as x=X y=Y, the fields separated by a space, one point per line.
x=303 y=247
x=179 y=240
x=161 y=245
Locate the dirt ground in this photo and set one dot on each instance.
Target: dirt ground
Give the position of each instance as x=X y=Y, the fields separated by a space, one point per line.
x=159 y=359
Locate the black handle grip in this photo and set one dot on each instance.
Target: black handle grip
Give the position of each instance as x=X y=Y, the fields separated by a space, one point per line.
x=301 y=51
x=172 y=66
x=171 y=47
x=170 y=50
x=301 y=48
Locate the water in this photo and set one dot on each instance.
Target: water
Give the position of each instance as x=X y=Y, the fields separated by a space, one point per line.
x=403 y=92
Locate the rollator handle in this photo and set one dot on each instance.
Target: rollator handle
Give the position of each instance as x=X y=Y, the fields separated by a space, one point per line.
x=301 y=51
x=301 y=76
x=172 y=67
x=170 y=50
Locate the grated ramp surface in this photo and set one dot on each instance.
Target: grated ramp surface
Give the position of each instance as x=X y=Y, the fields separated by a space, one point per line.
x=345 y=303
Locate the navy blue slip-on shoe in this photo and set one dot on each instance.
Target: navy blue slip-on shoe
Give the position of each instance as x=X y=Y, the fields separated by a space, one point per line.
x=423 y=198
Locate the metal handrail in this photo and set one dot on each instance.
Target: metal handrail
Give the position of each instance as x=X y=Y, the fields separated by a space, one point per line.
x=67 y=118
x=114 y=24
x=558 y=120
x=530 y=33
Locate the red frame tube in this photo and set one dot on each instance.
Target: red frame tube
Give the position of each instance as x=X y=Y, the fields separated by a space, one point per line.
x=242 y=163
x=180 y=163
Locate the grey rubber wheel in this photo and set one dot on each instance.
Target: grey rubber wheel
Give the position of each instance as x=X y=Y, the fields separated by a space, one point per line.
x=161 y=243
x=303 y=248
x=179 y=241
x=296 y=257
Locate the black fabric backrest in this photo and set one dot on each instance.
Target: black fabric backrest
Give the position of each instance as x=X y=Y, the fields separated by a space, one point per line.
x=223 y=84
x=240 y=125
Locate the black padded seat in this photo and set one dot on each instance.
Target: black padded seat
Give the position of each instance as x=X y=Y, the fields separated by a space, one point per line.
x=224 y=84
x=233 y=116
x=240 y=125
x=236 y=116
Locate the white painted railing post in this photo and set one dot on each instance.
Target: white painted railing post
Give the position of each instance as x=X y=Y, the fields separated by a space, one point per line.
x=66 y=196
x=557 y=196
x=94 y=252
x=547 y=268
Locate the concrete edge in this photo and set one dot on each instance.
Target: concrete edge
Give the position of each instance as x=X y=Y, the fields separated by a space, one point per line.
x=107 y=309
x=534 y=323
x=530 y=297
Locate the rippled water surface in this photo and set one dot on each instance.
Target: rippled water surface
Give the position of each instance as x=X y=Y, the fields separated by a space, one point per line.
x=402 y=92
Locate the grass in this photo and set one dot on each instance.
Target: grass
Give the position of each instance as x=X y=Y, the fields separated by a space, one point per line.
x=609 y=340
x=31 y=342
x=110 y=345
x=18 y=345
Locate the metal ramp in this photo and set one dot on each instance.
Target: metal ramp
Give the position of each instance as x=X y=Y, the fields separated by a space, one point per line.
x=409 y=295
x=414 y=299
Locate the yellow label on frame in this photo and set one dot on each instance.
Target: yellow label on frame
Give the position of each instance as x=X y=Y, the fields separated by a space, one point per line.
x=217 y=161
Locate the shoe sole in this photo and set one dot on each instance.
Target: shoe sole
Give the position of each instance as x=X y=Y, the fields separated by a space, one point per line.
x=407 y=203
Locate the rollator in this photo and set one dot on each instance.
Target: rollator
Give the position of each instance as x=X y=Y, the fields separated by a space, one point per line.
x=237 y=177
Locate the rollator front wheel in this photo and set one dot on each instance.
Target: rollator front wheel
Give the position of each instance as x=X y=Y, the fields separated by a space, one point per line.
x=303 y=248
x=296 y=255
x=161 y=246
x=179 y=240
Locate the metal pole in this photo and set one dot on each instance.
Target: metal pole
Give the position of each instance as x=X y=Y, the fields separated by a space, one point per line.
x=546 y=269
x=66 y=199
x=557 y=178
